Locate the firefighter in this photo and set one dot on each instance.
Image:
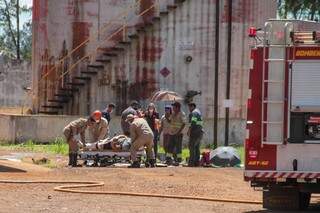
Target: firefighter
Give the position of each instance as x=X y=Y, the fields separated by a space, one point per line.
x=99 y=130
x=132 y=109
x=165 y=129
x=141 y=135
x=177 y=124
x=195 y=133
x=152 y=117
x=107 y=112
x=71 y=131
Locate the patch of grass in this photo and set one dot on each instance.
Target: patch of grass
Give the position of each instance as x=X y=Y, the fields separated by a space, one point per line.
x=240 y=150
x=185 y=151
x=58 y=146
x=51 y=165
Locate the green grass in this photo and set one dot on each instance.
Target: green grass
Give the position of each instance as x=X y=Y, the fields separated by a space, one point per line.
x=185 y=151
x=240 y=150
x=58 y=146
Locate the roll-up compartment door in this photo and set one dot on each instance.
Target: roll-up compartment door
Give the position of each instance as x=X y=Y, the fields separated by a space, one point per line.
x=305 y=91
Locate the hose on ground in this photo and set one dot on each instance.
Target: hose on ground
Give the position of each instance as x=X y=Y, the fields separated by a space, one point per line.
x=73 y=187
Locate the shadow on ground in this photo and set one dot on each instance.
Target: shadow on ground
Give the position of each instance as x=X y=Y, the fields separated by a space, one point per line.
x=314 y=207
x=10 y=169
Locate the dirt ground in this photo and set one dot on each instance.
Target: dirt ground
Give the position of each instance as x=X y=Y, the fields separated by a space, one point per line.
x=209 y=182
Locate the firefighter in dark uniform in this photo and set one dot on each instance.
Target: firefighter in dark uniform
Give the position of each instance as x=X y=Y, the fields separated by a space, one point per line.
x=73 y=129
x=131 y=110
x=108 y=111
x=152 y=117
x=195 y=134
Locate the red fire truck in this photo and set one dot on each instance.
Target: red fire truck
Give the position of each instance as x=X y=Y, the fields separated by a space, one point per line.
x=282 y=147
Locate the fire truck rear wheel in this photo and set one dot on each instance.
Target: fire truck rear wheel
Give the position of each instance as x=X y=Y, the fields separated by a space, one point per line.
x=304 y=200
x=285 y=198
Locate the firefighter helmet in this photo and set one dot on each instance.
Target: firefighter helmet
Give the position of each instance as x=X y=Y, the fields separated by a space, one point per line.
x=96 y=115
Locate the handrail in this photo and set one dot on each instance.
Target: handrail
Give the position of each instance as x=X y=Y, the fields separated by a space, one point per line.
x=126 y=12
x=69 y=70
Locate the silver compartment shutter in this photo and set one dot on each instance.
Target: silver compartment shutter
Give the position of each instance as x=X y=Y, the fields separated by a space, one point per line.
x=306 y=83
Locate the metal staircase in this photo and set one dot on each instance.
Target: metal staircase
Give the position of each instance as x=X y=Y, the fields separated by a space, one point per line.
x=63 y=81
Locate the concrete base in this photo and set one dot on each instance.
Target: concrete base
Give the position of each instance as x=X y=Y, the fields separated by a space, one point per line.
x=46 y=128
x=40 y=128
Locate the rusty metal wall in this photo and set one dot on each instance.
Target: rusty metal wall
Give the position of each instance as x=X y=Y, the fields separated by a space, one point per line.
x=189 y=31
x=155 y=58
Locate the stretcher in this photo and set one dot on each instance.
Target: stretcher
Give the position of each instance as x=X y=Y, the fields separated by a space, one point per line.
x=107 y=157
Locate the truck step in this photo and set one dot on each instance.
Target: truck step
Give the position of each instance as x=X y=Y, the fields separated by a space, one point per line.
x=273 y=122
x=274 y=60
x=272 y=142
x=274 y=81
x=273 y=102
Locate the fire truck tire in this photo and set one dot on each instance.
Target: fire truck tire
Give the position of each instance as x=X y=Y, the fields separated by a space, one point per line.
x=304 y=200
x=285 y=198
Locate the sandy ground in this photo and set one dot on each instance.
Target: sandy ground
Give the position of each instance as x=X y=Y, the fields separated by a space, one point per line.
x=224 y=183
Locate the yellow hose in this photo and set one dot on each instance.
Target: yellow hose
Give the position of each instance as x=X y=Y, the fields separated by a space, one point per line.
x=85 y=184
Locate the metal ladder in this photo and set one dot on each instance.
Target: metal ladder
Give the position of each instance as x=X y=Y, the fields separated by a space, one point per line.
x=273 y=88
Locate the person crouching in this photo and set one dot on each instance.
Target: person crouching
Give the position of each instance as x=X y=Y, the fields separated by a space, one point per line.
x=141 y=135
x=73 y=129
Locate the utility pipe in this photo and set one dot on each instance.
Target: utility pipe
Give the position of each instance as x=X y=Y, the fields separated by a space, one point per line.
x=216 y=77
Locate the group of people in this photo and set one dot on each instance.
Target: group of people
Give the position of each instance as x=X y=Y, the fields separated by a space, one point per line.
x=141 y=129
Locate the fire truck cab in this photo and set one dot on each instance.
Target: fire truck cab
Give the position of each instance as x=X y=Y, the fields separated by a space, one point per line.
x=282 y=146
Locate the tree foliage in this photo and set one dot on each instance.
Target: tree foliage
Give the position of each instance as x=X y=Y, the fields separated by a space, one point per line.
x=299 y=9
x=15 y=40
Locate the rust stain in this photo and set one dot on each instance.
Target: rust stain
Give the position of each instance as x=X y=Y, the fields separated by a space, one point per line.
x=145 y=5
x=80 y=33
x=241 y=11
x=145 y=50
x=117 y=37
x=46 y=85
x=145 y=87
x=36 y=10
x=148 y=50
x=151 y=49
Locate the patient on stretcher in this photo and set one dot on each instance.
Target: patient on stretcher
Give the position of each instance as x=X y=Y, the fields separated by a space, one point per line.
x=120 y=143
